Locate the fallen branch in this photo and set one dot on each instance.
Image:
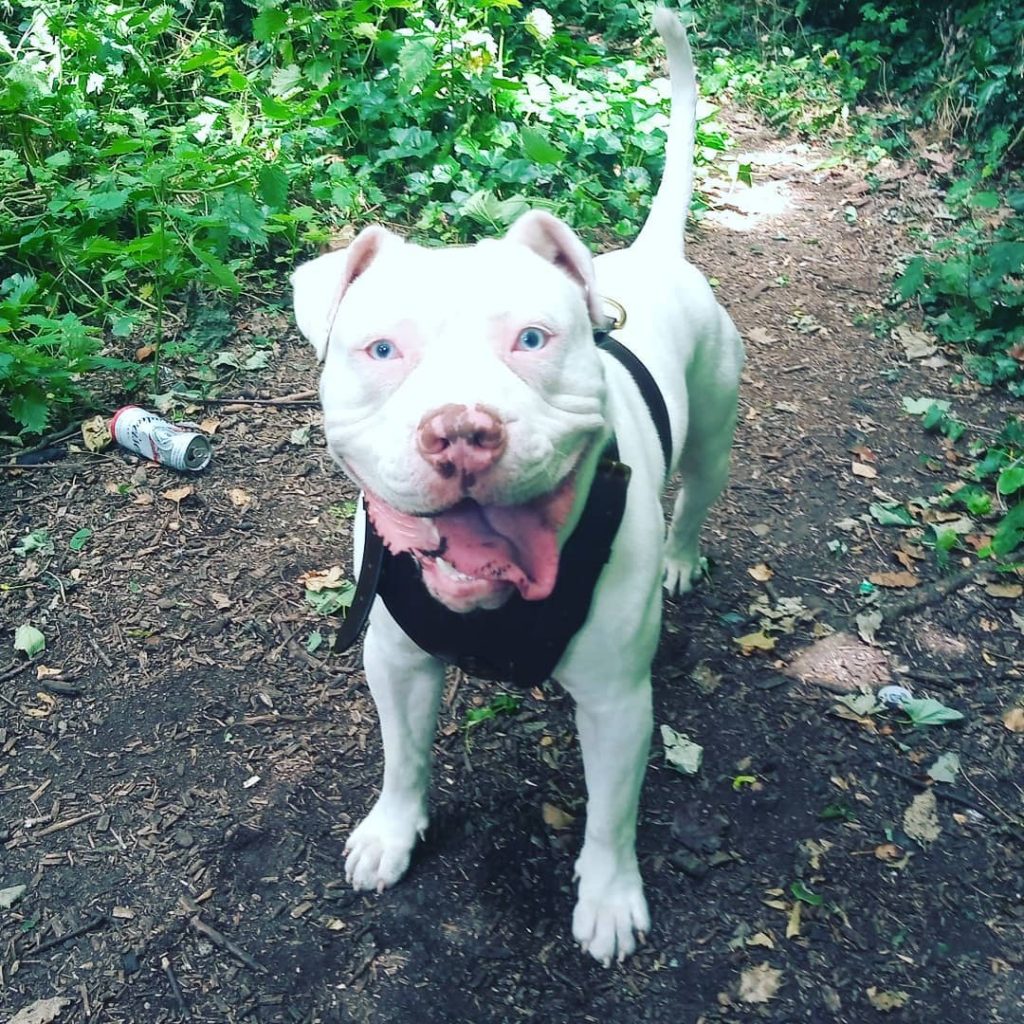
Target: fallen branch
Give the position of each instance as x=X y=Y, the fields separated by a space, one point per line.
x=199 y=925
x=59 y=826
x=46 y=442
x=298 y=398
x=179 y=996
x=94 y=922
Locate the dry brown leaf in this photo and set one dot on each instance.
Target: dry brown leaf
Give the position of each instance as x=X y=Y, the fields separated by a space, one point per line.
x=324 y=579
x=210 y=425
x=760 y=572
x=759 y=336
x=921 y=818
x=864 y=453
x=42 y=1011
x=555 y=817
x=239 y=497
x=886 y=1001
x=905 y=559
x=793 y=921
x=1007 y=591
x=144 y=352
x=96 y=433
x=1014 y=720
x=220 y=600
x=761 y=939
x=759 y=984
x=178 y=494
x=888 y=851
x=759 y=641
x=894 y=579
x=863 y=470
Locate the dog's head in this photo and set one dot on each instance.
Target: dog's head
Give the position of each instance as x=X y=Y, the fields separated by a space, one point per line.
x=461 y=390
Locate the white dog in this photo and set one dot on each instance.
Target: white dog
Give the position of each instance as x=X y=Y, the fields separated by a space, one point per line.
x=464 y=393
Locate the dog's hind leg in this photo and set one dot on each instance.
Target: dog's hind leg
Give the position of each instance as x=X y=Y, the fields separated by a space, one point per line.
x=406 y=686
x=704 y=462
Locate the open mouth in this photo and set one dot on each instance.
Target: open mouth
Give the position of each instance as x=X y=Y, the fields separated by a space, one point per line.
x=476 y=555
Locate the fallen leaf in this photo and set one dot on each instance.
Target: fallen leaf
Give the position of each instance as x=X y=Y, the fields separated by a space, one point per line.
x=793 y=921
x=1007 y=591
x=28 y=639
x=759 y=336
x=760 y=572
x=681 y=752
x=11 y=895
x=178 y=494
x=863 y=470
x=759 y=984
x=921 y=819
x=220 y=600
x=868 y=623
x=888 y=852
x=756 y=642
x=144 y=352
x=916 y=344
x=239 y=498
x=299 y=436
x=761 y=939
x=894 y=579
x=886 y=1001
x=42 y=1011
x=555 y=817
x=905 y=558
x=1014 y=720
x=946 y=767
x=324 y=579
x=210 y=425
x=96 y=433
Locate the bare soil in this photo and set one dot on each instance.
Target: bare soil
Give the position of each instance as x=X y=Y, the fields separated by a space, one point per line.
x=179 y=771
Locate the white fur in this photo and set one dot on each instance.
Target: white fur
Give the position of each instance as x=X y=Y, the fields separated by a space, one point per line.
x=453 y=312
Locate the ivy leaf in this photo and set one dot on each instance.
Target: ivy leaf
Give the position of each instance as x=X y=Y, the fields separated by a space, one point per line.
x=929 y=711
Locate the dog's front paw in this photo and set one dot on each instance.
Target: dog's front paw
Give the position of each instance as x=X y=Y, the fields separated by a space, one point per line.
x=681 y=572
x=378 y=851
x=609 y=918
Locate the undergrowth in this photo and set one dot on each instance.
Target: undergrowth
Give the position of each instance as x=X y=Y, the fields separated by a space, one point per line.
x=159 y=155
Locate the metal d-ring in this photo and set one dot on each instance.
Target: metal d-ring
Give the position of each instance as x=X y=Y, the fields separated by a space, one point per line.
x=620 y=319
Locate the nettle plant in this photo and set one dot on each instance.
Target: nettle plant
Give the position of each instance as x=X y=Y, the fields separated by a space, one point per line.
x=163 y=154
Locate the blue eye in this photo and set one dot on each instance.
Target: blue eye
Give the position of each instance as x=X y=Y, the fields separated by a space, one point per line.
x=532 y=339
x=382 y=350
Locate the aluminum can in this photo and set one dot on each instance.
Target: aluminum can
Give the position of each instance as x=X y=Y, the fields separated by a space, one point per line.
x=154 y=438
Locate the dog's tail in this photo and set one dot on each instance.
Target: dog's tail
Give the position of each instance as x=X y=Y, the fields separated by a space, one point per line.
x=665 y=224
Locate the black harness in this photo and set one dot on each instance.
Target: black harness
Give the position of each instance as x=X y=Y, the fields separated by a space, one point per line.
x=522 y=641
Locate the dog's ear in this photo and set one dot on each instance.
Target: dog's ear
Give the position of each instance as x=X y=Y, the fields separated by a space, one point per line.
x=556 y=242
x=319 y=285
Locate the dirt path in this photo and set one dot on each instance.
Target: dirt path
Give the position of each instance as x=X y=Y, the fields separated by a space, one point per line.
x=196 y=764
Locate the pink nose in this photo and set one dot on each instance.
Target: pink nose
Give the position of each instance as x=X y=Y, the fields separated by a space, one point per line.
x=457 y=440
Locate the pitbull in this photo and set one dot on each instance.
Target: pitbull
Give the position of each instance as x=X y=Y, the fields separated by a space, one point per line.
x=464 y=394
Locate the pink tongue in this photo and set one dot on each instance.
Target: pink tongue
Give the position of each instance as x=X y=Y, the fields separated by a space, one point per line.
x=517 y=544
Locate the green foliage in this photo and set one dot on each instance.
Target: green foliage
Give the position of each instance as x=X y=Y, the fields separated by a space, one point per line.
x=151 y=152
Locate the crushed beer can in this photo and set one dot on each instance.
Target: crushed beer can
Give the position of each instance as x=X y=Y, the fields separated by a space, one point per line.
x=154 y=438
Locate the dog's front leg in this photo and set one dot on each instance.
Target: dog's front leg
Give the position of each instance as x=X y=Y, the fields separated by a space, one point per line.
x=615 y=736
x=406 y=686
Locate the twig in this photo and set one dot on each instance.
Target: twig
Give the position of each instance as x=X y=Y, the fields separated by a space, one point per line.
x=15 y=669
x=94 y=922
x=225 y=943
x=100 y=653
x=57 y=435
x=179 y=996
x=931 y=594
x=947 y=679
x=299 y=398
x=59 y=826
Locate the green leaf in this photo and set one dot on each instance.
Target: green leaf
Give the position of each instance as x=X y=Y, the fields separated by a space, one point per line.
x=804 y=895
x=330 y=602
x=273 y=186
x=37 y=540
x=921 y=406
x=79 y=538
x=28 y=639
x=30 y=410
x=928 y=711
x=1009 y=533
x=538 y=148
x=267 y=25
x=415 y=63
x=1010 y=480
x=314 y=641
x=890 y=513
x=106 y=201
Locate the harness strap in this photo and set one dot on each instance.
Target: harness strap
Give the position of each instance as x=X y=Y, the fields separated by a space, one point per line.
x=649 y=391
x=366 y=588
